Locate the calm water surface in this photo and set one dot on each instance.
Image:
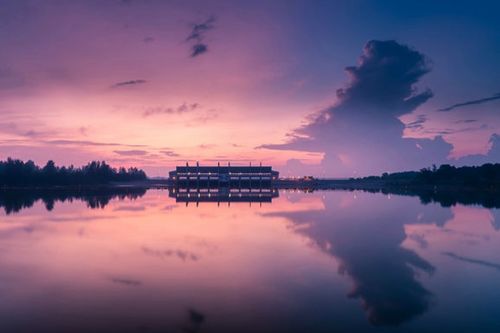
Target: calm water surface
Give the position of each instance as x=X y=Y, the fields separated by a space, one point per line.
x=307 y=262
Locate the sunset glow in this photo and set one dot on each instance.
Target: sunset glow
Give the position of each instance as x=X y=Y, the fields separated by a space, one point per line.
x=153 y=84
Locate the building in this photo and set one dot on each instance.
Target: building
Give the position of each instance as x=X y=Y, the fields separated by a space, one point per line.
x=242 y=177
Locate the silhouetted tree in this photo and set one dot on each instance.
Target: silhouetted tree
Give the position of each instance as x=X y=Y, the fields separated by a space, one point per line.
x=19 y=173
x=486 y=176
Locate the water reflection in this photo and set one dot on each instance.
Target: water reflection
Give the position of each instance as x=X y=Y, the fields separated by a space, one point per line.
x=14 y=200
x=447 y=198
x=196 y=320
x=224 y=194
x=367 y=239
x=153 y=265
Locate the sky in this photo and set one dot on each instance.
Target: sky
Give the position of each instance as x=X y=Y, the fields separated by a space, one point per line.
x=323 y=88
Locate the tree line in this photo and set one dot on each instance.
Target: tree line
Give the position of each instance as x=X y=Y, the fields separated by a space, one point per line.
x=14 y=172
x=486 y=176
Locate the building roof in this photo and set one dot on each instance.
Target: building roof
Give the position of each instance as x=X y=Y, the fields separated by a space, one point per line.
x=225 y=169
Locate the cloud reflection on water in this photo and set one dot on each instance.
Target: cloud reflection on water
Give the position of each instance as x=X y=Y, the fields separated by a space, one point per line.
x=366 y=238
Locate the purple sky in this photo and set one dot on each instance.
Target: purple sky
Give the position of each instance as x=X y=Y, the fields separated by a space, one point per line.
x=338 y=88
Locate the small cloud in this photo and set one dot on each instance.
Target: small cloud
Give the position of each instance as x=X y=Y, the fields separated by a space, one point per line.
x=183 y=108
x=473 y=260
x=417 y=124
x=14 y=129
x=183 y=255
x=128 y=83
x=169 y=153
x=87 y=143
x=472 y=102
x=197 y=36
x=198 y=49
x=126 y=282
x=203 y=118
x=466 y=121
x=133 y=152
x=148 y=39
x=206 y=146
x=32 y=134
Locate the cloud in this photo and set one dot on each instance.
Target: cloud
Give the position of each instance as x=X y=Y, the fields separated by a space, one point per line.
x=473 y=102
x=362 y=133
x=126 y=282
x=473 y=261
x=295 y=167
x=446 y=131
x=466 y=121
x=197 y=36
x=128 y=83
x=169 y=153
x=183 y=255
x=198 y=49
x=203 y=118
x=88 y=143
x=206 y=146
x=14 y=129
x=183 y=108
x=148 y=39
x=493 y=154
x=417 y=124
x=133 y=152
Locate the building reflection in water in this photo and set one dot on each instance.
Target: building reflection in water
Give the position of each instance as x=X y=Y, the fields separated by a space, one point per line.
x=223 y=195
x=223 y=184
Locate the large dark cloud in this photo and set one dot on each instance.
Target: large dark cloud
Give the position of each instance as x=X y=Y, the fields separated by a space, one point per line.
x=362 y=132
x=472 y=102
x=197 y=36
x=384 y=79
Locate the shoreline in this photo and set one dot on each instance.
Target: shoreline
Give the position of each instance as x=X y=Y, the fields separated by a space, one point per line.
x=283 y=184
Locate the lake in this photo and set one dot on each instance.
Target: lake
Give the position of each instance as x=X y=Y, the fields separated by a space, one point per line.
x=331 y=261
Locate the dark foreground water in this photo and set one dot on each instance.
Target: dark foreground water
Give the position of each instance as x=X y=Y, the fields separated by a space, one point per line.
x=306 y=262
